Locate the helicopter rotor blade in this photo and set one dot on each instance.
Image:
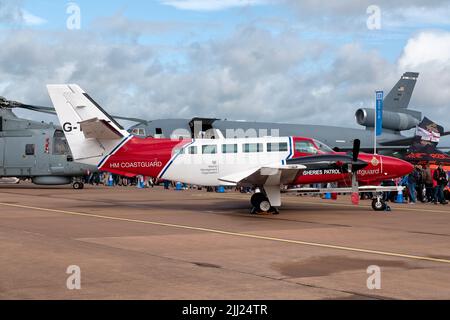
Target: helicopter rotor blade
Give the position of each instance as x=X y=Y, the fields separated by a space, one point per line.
x=38 y=108
x=10 y=104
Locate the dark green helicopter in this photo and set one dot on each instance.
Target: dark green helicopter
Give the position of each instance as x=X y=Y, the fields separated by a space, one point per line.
x=36 y=150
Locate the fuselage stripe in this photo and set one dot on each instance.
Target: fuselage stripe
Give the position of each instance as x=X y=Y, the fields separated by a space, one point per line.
x=120 y=145
x=291 y=149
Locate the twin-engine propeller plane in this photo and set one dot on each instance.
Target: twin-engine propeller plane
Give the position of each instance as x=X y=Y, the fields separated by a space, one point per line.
x=266 y=163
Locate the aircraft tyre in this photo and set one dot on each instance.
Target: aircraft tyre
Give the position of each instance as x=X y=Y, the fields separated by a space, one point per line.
x=378 y=204
x=260 y=203
x=78 y=185
x=256 y=199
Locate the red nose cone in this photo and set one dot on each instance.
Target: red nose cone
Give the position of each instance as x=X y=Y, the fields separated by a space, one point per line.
x=396 y=167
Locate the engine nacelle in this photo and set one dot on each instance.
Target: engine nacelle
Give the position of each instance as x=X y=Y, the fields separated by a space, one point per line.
x=397 y=121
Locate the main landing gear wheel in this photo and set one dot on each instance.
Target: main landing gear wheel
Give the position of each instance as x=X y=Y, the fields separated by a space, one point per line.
x=261 y=204
x=78 y=185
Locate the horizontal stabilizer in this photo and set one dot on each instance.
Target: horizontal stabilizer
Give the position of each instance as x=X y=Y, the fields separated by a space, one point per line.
x=99 y=129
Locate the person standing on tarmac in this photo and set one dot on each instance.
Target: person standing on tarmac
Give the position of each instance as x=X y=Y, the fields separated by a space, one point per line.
x=440 y=176
x=412 y=182
x=428 y=178
x=420 y=183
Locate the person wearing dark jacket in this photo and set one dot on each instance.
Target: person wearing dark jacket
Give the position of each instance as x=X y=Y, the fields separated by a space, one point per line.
x=428 y=178
x=440 y=176
x=420 y=185
x=412 y=182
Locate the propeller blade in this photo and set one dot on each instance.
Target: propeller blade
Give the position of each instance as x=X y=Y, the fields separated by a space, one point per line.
x=356 y=149
x=355 y=189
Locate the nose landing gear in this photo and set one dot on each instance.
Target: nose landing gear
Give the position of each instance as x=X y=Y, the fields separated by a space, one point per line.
x=379 y=204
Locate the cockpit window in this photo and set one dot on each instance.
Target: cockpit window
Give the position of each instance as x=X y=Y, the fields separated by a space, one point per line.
x=323 y=147
x=138 y=132
x=60 y=146
x=305 y=147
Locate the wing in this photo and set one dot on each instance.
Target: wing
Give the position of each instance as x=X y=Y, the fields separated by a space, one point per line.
x=266 y=175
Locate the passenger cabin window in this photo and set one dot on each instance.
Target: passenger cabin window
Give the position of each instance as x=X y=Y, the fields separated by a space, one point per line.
x=158 y=131
x=1 y=124
x=60 y=145
x=192 y=150
x=305 y=147
x=229 y=148
x=253 y=147
x=177 y=151
x=29 y=149
x=277 y=147
x=209 y=149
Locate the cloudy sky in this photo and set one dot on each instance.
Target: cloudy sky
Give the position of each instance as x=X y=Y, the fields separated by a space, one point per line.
x=267 y=60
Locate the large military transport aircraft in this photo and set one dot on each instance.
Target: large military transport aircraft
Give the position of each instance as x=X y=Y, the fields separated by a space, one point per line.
x=396 y=118
x=95 y=138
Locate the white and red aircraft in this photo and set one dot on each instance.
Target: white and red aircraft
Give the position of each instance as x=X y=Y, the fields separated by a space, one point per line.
x=266 y=163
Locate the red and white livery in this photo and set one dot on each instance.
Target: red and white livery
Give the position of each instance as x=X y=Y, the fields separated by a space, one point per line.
x=95 y=138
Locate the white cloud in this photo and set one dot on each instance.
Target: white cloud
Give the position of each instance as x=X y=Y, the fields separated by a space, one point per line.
x=211 y=5
x=251 y=74
x=425 y=48
x=351 y=15
x=12 y=12
x=32 y=20
x=429 y=53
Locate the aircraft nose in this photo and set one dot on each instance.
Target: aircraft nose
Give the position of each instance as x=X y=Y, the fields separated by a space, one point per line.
x=395 y=167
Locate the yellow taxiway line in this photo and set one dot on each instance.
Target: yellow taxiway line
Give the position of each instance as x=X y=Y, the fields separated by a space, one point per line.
x=230 y=233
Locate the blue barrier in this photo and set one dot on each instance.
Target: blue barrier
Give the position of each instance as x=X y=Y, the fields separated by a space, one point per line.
x=110 y=181
x=399 y=198
x=141 y=183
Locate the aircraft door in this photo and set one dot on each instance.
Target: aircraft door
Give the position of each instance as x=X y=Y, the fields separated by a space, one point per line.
x=209 y=168
x=43 y=149
x=61 y=158
x=20 y=156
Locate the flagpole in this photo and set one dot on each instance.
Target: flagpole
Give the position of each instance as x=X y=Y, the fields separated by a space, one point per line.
x=375 y=134
x=378 y=123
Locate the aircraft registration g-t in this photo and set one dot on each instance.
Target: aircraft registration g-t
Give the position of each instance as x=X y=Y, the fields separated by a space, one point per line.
x=267 y=163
